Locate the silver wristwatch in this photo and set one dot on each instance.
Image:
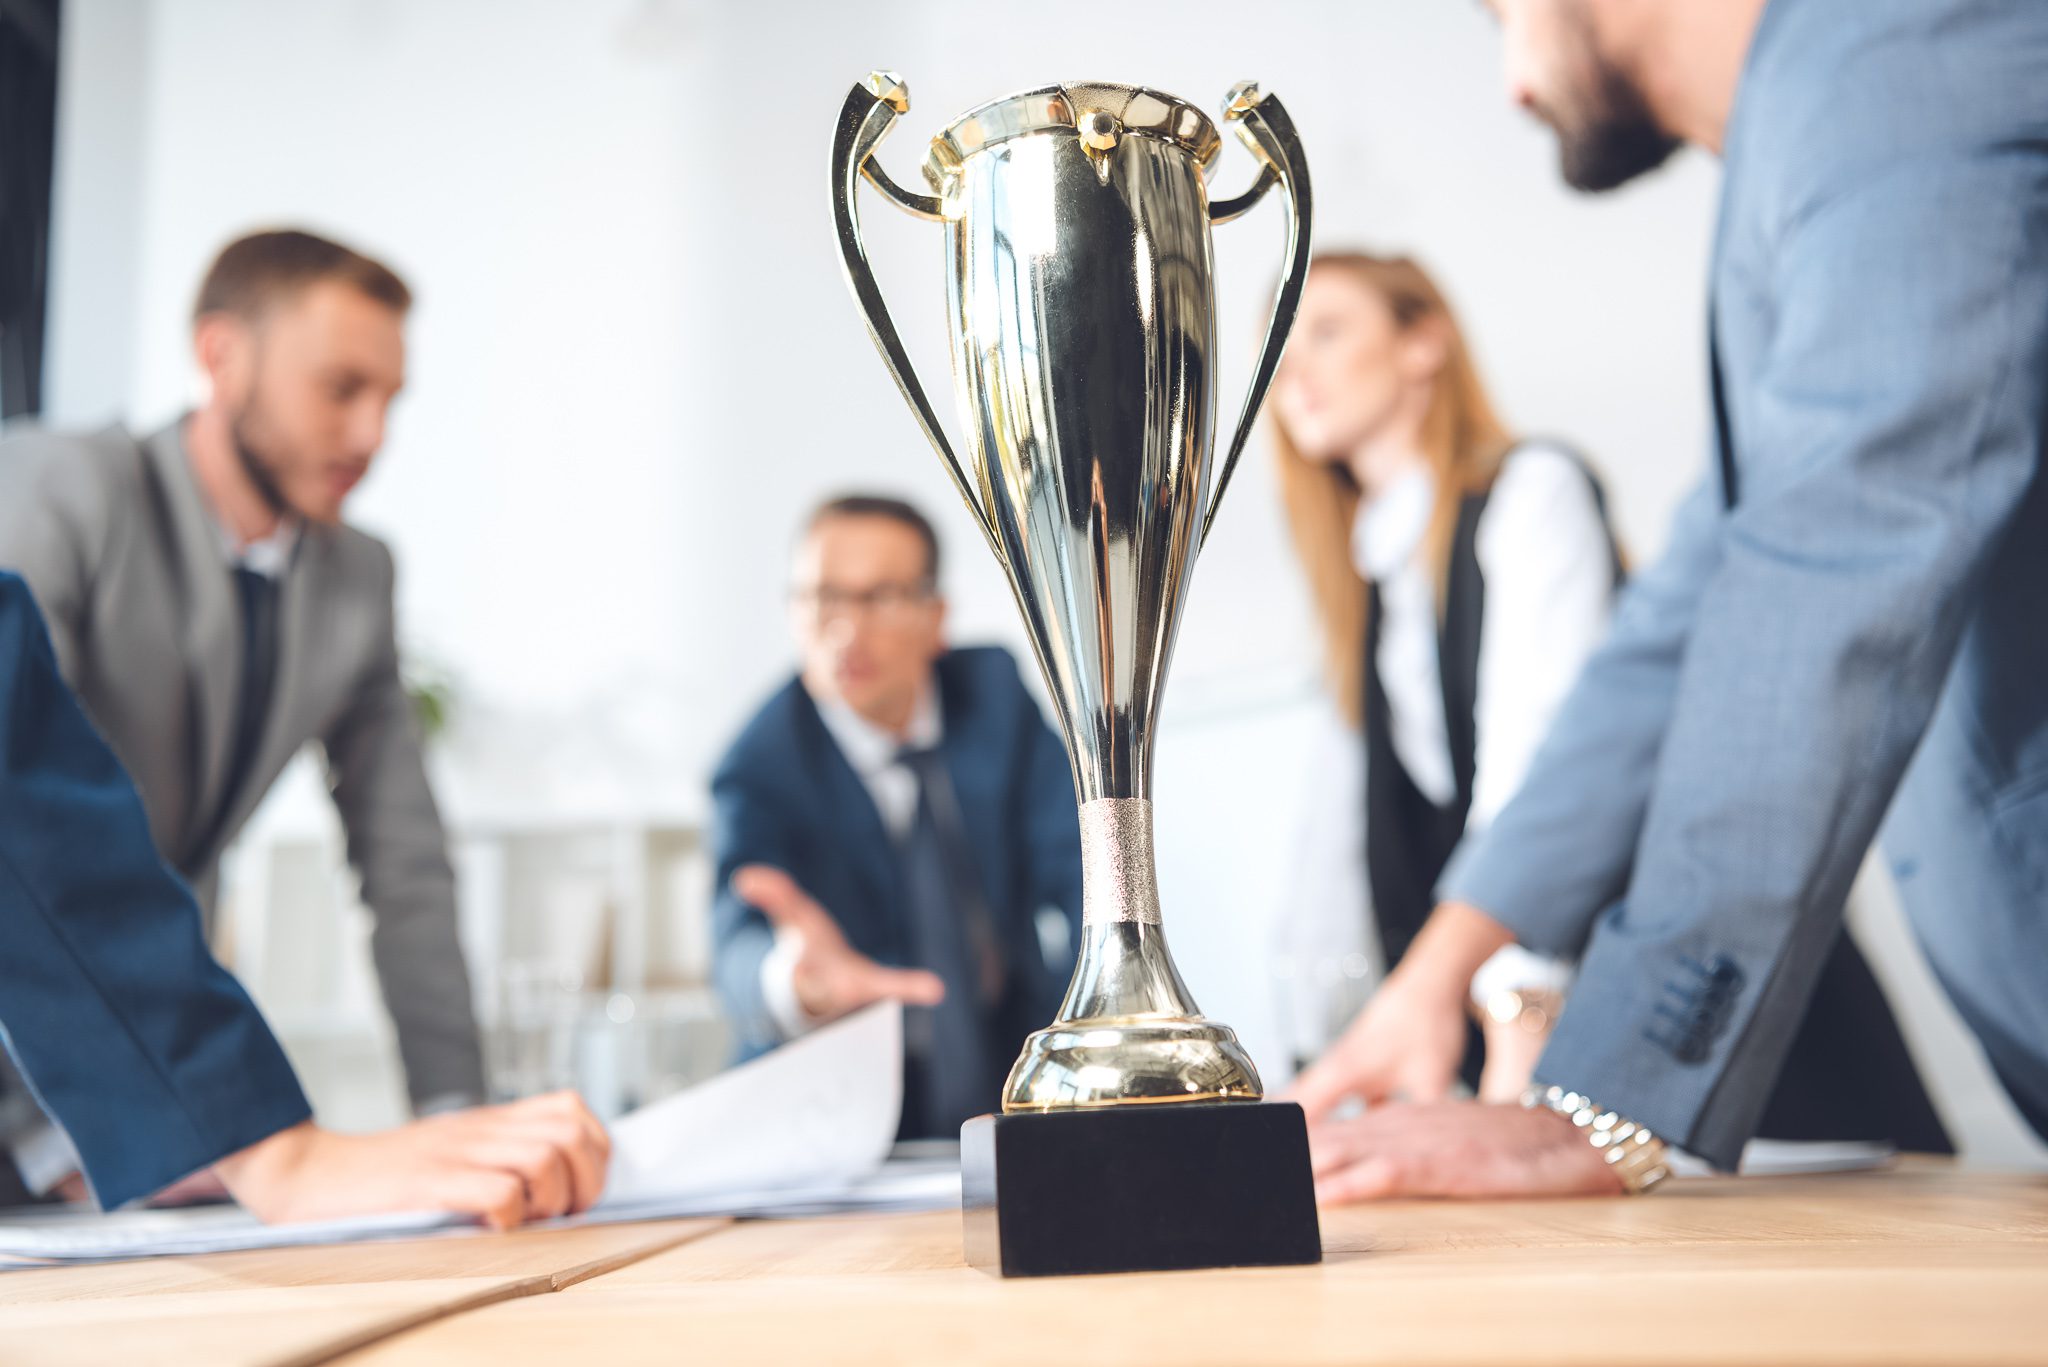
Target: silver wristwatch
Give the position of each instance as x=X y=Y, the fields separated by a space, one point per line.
x=1637 y=1156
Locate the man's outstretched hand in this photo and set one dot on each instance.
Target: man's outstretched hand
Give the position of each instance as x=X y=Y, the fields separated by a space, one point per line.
x=831 y=976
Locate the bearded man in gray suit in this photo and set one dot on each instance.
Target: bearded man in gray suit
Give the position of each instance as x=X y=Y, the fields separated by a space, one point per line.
x=215 y=615
x=1846 y=631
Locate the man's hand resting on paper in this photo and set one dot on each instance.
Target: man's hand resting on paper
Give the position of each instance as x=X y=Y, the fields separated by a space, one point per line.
x=529 y=1160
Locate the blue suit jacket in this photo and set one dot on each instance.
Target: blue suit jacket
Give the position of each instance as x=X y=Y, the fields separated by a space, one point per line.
x=145 y=1049
x=1852 y=617
x=784 y=795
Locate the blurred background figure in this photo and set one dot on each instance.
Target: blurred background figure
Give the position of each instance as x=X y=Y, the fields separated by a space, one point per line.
x=215 y=614
x=1463 y=576
x=896 y=822
x=153 y=1056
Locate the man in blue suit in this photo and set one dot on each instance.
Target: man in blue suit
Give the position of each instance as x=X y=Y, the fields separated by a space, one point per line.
x=892 y=823
x=150 y=1054
x=1848 y=628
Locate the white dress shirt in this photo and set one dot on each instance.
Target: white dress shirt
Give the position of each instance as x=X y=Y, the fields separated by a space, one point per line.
x=42 y=1153
x=871 y=751
x=1543 y=552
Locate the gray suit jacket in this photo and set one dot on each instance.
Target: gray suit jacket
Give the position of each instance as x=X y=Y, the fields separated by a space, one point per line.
x=126 y=562
x=1852 y=617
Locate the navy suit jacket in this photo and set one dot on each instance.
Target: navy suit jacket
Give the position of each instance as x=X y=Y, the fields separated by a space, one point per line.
x=1851 y=622
x=146 y=1050
x=785 y=795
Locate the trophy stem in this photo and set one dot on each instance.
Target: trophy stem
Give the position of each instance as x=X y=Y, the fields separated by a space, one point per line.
x=1119 y=875
x=1128 y=1032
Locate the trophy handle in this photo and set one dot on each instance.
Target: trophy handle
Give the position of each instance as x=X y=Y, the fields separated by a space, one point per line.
x=1263 y=126
x=870 y=111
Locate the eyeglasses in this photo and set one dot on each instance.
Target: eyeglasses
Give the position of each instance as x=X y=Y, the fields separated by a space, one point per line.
x=883 y=602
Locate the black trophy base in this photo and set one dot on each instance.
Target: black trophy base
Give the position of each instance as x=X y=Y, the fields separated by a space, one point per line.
x=1146 y=1188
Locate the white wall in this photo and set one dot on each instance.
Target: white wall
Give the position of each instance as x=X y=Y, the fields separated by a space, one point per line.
x=634 y=362
x=97 y=210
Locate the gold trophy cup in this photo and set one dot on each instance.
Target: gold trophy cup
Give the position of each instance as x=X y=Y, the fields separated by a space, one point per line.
x=1081 y=294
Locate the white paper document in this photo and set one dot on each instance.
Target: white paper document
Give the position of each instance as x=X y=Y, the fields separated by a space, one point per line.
x=804 y=1130
x=820 y=1110
x=35 y=1239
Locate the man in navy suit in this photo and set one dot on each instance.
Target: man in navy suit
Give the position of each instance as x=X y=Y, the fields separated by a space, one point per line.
x=150 y=1054
x=891 y=824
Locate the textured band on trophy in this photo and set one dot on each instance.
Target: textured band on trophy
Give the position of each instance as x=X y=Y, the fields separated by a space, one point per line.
x=1081 y=295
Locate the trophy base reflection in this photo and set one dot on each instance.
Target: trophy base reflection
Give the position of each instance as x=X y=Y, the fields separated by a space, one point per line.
x=1141 y=1188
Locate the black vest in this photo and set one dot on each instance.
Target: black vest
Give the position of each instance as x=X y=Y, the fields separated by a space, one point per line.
x=1848 y=1075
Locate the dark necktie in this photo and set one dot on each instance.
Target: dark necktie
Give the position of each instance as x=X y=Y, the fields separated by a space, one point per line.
x=257 y=595
x=954 y=1072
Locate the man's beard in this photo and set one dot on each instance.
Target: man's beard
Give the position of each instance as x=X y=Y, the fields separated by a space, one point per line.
x=1608 y=137
x=263 y=470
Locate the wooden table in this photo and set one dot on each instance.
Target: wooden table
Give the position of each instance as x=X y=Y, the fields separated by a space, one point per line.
x=297 y=1305
x=1921 y=1264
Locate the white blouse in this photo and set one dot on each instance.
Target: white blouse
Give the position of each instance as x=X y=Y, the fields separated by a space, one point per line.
x=1549 y=579
x=1544 y=554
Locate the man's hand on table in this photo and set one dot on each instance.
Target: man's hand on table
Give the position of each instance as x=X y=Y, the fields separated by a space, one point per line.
x=528 y=1160
x=1401 y=1056
x=1455 y=1148
x=1410 y=1038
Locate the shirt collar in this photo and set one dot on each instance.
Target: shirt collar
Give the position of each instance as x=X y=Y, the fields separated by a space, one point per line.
x=269 y=556
x=870 y=748
x=1391 y=524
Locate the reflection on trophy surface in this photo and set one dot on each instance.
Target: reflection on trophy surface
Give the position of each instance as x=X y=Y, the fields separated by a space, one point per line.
x=1081 y=294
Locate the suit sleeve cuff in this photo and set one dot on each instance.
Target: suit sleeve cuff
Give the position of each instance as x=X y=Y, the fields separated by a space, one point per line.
x=778 y=991
x=1513 y=968
x=43 y=1156
x=1659 y=1036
